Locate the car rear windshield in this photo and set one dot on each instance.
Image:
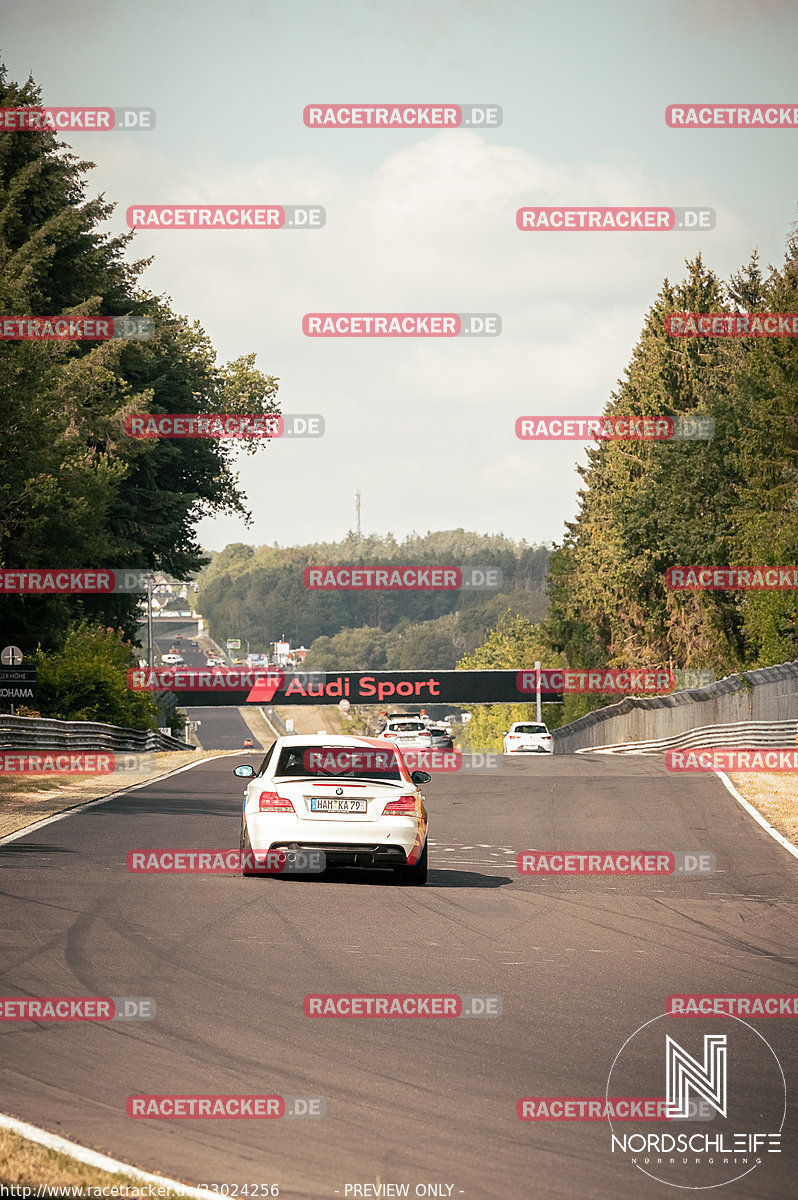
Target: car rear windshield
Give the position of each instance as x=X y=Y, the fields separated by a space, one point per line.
x=531 y=729
x=407 y=727
x=340 y=762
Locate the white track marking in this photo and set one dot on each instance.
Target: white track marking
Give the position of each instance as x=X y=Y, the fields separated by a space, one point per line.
x=68 y=812
x=749 y=808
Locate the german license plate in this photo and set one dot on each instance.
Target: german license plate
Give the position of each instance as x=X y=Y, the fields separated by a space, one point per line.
x=335 y=804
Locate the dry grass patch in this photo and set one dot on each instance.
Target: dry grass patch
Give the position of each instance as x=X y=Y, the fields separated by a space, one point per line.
x=775 y=796
x=27 y=1164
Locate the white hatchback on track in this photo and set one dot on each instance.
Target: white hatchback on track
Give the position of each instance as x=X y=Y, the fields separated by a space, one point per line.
x=528 y=737
x=351 y=797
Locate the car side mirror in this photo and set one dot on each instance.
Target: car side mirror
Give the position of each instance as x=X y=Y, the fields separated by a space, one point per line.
x=504 y=733
x=245 y=771
x=420 y=777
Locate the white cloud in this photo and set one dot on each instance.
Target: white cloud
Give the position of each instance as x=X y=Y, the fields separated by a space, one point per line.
x=425 y=428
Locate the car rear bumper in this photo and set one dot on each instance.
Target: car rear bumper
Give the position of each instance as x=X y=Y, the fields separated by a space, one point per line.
x=531 y=750
x=386 y=837
x=367 y=854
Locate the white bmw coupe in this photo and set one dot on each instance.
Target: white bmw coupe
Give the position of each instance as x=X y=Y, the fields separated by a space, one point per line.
x=351 y=797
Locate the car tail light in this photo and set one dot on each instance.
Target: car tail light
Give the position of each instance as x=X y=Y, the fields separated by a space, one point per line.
x=271 y=802
x=404 y=804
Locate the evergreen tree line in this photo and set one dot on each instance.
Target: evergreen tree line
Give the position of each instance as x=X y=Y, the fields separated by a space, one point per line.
x=729 y=501
x=75 y=489
x=646 y=506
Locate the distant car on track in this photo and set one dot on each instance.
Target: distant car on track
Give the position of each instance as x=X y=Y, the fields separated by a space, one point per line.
x=408 y=734
x=528 y=737
x=248 y=744
x=172 y=659
x=352 y=797
x=441 y=739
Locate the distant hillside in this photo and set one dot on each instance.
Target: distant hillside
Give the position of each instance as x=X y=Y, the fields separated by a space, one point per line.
x=257 y=593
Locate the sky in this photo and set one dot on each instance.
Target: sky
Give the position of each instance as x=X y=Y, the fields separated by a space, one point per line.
x=424 y=221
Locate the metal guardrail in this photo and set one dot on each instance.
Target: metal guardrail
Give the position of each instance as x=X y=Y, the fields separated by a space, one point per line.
x=754 y=735
x=273 y=718
x=41 y=733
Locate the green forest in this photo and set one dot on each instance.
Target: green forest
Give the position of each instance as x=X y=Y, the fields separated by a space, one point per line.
x=77 y=491
x=732 y=500
x=259 y=594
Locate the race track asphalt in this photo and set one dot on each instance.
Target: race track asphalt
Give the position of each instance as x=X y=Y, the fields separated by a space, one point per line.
x=580 y=963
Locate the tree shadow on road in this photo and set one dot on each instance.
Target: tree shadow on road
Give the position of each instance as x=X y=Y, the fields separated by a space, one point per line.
x=19 y=848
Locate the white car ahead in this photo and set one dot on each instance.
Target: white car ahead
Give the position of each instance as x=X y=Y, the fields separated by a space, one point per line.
x=527 y=737
x=412 y=735
x=351 y=797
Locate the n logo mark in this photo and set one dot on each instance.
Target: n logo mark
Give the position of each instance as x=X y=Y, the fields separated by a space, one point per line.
x=684 y=1074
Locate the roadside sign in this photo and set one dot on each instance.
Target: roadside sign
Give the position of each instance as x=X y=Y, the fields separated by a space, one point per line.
x=344 y=705
x=18 y=685
x=11 y=656
x=234 y=643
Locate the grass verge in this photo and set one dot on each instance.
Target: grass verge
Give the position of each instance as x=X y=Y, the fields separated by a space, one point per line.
x=775 y=796
x=24 y=800
x=27 y=1164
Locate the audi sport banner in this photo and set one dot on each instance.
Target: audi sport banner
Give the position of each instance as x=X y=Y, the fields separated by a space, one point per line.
x=394 y=688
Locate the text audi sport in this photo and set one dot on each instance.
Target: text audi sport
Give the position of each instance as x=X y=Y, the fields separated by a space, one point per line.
x=353 y=798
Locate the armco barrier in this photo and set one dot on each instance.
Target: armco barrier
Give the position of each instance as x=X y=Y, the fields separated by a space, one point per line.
x=274 y=719
x=753 y=735
x=768 y=696
x=40 y=733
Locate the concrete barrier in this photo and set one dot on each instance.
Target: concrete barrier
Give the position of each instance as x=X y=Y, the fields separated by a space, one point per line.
x=768 y=695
